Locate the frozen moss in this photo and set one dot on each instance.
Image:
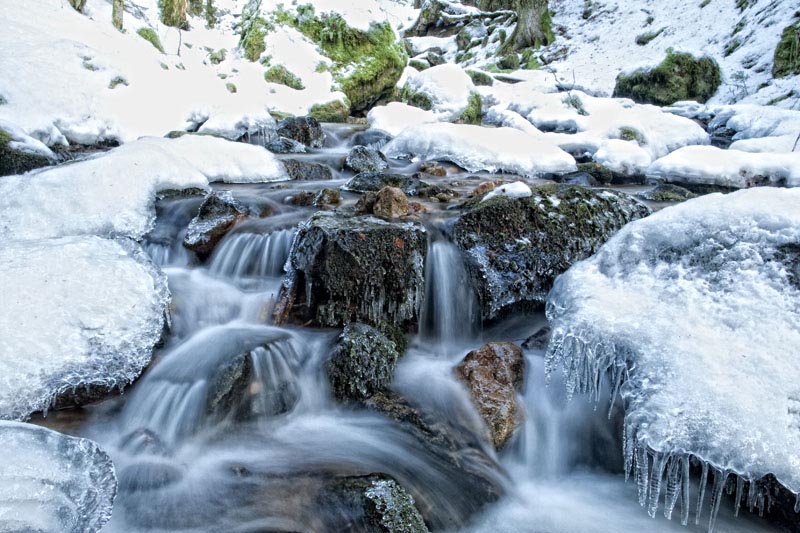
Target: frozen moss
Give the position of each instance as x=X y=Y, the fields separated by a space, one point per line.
x=787 y=54
x=680 y=76
x=231 y=87
x=419 y=65
x=474 y=111
x=217 y=57
x=279 y=74
x=252 y=33
x=645 y=38
x=149 y=35
x=335 y=111
x=16 y=161
x=416 y=99
x=480 y=78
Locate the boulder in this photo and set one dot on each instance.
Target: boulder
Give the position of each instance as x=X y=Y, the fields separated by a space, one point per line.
x=516 y=247
x=365 y=159
x=494 y=375
x=300 y=170
x=284 y=145
x=305 y=130
x=667 y=192
x=372 y=138
x=390 y=202
x=433 y=168
x=375 y=181
x=362 y=363
x=219 y=212
x=355 y=269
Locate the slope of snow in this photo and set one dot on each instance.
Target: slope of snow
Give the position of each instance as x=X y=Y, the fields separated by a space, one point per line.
x=475 y=148
x=76 y=312
x=113 y=193
x=394 y=117
x=695 y=310
x=52 y=482
x=708 y=165
x=448 y=87
x=604 y=44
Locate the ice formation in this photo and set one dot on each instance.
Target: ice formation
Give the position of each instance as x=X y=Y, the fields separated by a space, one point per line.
x=505 y=150
x=53 y=483
x=758 y=128
x=113 y=193
x=447 y=86
x=394 y=117
x=693 y=314
x=76 y=313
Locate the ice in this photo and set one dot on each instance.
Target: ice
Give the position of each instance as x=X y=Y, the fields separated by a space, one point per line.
x=693 y=314
x=759 y=128
x=624 y=157
x=475 y=148
x=233 y=124
x=394 y=117
x=708 y=165
x=448 y=87
x=52 y=483
x=517 y=189
x=113 y=193
x=76 y=312
x=23 y=142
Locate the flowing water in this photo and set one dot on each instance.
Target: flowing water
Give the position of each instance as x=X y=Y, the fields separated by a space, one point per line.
x=233 y=427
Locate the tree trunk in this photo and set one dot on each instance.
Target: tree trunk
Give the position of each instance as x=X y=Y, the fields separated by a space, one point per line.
x=173 y=13
x=78 y=5
x=533 y=26
x=117 y=7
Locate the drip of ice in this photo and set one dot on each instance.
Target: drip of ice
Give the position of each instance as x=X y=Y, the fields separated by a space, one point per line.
x=252 y=255
x=52 y=483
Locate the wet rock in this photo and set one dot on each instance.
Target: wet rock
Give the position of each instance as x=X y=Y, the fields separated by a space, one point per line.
x=666 y=192
x=355 y=269
x=416 y=208
x=148 y=476
x=300 y=170
x=475 y=30
x=228 y=386
x=433 y=168
x=515 y=248
x=539 y=340
x=438 y=193
x=305 y=130
x=362 y=363
x=219 y=212
x=284 y=145
x=494 y=375
x=385 y=506
x=435 y=59
x=390 y=202
x=483 y=188
x=582 y=179
x=327 y=198
x=364 y=159
x=375 y=181
x=376 y=139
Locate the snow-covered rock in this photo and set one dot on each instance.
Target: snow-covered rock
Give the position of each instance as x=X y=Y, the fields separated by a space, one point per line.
x=397 y=116
x=113 y=193
x=708 y=165
x=52 y=483
x=447 y=86
x=758 y=128
x=77 y=313
x=518 y=189
x=694 y=312
x=475 y=148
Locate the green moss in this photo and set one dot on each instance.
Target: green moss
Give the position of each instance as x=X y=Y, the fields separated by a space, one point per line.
x=231 y=87
x=679 y=77
x=253 y=30
x=529 y=61
x=743 y=4
x=420 y=100
x=279 y=74
x=645 y=38
x=217 y=57
x=787 y=54
x=575 y=102
x=173 y=13
x=419 y=65
x=116 y=81
x=626 y=133
x=15 y=161
x=474 y=111
x=336 y=111
x=149 y=35
x=509 y=61
x=731 y=47
x=704 y=3
x=480 y=78
x=602 y=174
x=781 y=98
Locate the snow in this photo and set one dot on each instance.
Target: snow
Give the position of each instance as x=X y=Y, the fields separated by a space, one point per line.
x=23 y=142
x=113 y=193
x=448 y=87
x=708 y=165
x=759 y=128
x=52 y=482
x=518 y=189
x=475 y=148
x=394 y=117
x=76 y=312
x=695 y=310
x=625 y=157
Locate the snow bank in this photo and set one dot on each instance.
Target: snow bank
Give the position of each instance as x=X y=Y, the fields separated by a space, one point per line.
x=76 y=312
x=758 y=128
x=448 y=87
x=397 y=116
x=475 y=148
x=708 y=165
x=113 y=193
x=23 y=142
x=52 y=482
x=694 y=310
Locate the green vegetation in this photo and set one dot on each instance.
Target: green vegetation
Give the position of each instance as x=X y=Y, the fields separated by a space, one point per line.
x=626 y=133
x=279 y=74
x=217 y=57
x=574 y=101
x=16 y=161
x=679 y=77
x=231 y=87
x=787 y=54
x=704 y=3
x=149 y=35
x=509 y=61
x=419 y=65
x=78 y=5
x=474 y=112
x=480 y=78
x=743 y=4
x=731 y=47
x=420 y=100
x=253 y=29
x=336 y=111
x=116 y=81
x=645 y=38
x=173 y=13
x=529 y=61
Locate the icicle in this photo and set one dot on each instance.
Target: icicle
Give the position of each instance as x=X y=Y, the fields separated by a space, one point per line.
x=703 y=483
x=642 y=473
x=673 y=485
x=720 y=478
x=797 y=503
x=739 y=492
x=752 y=494
x=656 y=475
x=685 y=489
x=617 y=383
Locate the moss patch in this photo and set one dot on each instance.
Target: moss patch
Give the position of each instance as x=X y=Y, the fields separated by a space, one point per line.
x=529 y=61
x=149 y=35
x=420 y=100
x=15 y=161
x=474 y=111
x=645 y=38
x=336 y=111
x=787 y=54
x=217 y=57
x=480 y=78
x=231 y=88
x=419 y=65
x=626 y=133
x=679 y=77
x=279 y=74
x=173 y=13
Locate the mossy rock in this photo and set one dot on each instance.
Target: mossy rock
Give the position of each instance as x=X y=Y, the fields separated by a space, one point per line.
x=281 y=75
x=473 y=114
x=366 y=64
x=515 y=248
x=217 y=56
x=480 y=78
x=173 y=13
x=666 y=192
x=416 y=99
x=680 y=76
x=787 y=53
x=335 y=111
x=149 y=35
x=509 y=61
x=13 y=161
x=419 y=65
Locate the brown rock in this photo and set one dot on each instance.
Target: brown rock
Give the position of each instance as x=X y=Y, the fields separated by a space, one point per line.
x=493 y=375
x=433 y=168
x=390 y=202
x=486 y=186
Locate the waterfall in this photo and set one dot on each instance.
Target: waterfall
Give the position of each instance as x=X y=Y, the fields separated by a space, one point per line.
x=252 y=255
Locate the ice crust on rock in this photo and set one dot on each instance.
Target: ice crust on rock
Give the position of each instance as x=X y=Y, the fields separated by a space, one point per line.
x=76 y=312
x=448 y=87
x=758 y=128
x=53 y=483
x=113 y=193
x=476 y=148
x=394 y=117
x=693 y=313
